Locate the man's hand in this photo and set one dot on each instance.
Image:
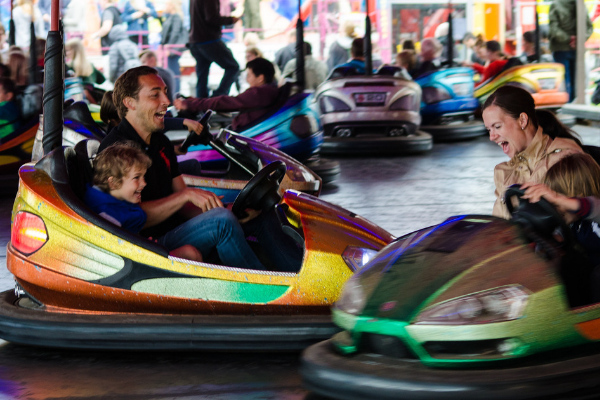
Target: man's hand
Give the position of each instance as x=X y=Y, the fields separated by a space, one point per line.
x=179 y=104
x=235 y=19
x=573 y=41
x=203 y=199
x=563 y=203
x=193 y=126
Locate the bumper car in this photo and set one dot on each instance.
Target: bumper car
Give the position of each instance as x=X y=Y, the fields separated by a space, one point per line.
x=448 y=105
x=370 y=114
x=545 y=82
x=476 y=307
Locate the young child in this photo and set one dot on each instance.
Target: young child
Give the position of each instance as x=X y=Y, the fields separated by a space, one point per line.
x=572 y=185
x=118 y=183
x=10 y=117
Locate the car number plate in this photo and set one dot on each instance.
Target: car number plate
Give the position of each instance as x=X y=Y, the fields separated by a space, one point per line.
x=462 y=89
x=547 y=83
x=369 y=98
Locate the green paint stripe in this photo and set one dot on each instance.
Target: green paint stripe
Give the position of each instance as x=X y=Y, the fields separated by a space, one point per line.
x=212 y=289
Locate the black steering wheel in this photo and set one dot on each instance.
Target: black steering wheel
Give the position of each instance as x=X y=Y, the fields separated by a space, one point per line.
x=262 y=191
x=540 y=217
x=204 y=138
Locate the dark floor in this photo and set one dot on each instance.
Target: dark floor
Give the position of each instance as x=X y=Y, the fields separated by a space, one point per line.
x=399 y=194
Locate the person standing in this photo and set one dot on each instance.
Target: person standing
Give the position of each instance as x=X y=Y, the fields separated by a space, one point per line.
x=315 y=71
x=25 y=12
x=563 y=39
x=111 y=16
x=207 y=47
x=252 y=18
x=136 y=14
x=174 y=33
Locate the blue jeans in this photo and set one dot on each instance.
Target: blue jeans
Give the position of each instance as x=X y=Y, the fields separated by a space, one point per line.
x=173 y=65
x=207 y=53
x=567 y=58
x=215 y=229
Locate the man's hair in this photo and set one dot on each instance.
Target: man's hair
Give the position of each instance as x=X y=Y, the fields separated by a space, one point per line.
x=358 y=48
x=148 y=53
x=493 y=46
x=407 y=58
x=261 y=66
x=577 y=175
x=128 y=85
x=529 y=36
x=8 y=85
x=116 y=161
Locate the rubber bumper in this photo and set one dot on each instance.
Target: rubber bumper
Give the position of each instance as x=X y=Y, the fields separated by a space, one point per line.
x=328 y=170
x=159 y=332
x=378 y=377
x=453 y=132
x=399 y=145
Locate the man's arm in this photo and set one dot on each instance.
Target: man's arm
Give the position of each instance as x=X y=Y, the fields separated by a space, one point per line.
x=250 y=99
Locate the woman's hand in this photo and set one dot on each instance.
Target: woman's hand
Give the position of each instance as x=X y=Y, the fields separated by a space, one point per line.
x=534 y=192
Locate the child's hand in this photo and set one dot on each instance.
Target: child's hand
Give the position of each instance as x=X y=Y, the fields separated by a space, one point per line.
x=193 y=126
x=534 y=193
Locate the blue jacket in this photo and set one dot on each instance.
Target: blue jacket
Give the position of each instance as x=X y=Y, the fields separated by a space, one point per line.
x=127 y=215
x=140 y=24
x=357 y=64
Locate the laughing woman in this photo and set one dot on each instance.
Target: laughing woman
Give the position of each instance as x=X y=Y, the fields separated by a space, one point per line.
x=510 y=118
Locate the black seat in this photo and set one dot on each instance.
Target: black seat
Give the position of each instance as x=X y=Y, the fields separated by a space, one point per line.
x=593 y=151
x=343 y=72
x=79 y=112
x=29 y=101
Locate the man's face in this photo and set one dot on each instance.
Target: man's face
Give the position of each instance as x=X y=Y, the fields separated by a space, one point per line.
x=148 y=110
x=149 y=60
x=254 y=80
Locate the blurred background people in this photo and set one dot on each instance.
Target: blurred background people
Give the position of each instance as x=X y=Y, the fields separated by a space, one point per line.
x=407 y=59
x=110 y=17
x=315 y=71
x=136 y=14
x=17 y=63
x=251 y=16
x=25 y=12
x=10 y=115
x=528 y=56
x=358 y=57
x=123 y=53
x=339 y=52
x=174 y=35
x=74 y=20
x=496 y=61
x=78 y=63
x=428 y=58
x=286 y=53
x=563 y=39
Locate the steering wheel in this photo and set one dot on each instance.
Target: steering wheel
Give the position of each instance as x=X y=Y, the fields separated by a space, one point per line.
x=204 y=138
x=261 y=192
x=541 y=217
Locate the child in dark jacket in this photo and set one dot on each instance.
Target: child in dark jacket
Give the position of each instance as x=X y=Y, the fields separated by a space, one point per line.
x=10 y=116
x=118 y=183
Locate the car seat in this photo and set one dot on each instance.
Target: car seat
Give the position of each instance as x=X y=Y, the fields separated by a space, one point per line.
x=342 y=72
x=79 y=113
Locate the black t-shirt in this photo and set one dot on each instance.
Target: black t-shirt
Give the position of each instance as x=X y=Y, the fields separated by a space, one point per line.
x=113 y=13
x=159 y=177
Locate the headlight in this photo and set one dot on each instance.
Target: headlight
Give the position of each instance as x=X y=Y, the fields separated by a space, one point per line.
x=434 y=95
x=495 y=305
x=353 y=299
x=304 y=126
x=331 y=104
x=406 y=103
x=357 y=257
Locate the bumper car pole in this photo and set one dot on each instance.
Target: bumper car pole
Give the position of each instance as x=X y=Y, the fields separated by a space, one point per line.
x=538 y=50
x=368 y=47
x=300 y=78
x=11 y=27
x=450 y=40
x=33 y=68
x=53 y=83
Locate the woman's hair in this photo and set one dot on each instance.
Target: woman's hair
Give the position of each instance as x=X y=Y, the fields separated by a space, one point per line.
x=554 y=128
x=255 y=51
x=26 y=6
x=79 y=63
x=17 y=62
x=408 y=45
x=408 y=58
x=108 y=111
x=577 y=175
x=176 y=4
x=116 y=161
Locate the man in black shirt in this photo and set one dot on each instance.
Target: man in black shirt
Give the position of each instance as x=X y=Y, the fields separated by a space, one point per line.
x=199 y=217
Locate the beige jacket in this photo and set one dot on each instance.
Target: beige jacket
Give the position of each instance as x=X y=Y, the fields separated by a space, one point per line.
x=530 y=165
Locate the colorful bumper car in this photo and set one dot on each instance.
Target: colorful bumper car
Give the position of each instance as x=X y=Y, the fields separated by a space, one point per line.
x=370 y=113
x=545 y=82
x=474 y=308
x=84 y=282
x=448 y=105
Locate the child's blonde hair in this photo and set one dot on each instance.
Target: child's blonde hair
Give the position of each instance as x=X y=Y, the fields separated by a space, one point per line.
x=577 y=175
x=116 y=161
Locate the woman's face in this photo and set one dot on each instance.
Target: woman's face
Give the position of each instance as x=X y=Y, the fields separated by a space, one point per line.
x=69 y=53
x=250 y=56
x=505 y=131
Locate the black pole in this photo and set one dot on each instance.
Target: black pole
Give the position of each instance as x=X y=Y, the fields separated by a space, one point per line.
x=538 y=49
x=368 y=49
x=300 y=77
x=11 y=27
x=53 y=91
x=450 y=41
x=33 y=68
